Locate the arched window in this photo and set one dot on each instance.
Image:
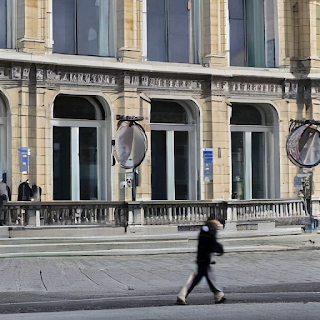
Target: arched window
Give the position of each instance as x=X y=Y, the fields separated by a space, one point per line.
x=78 y=148
x=245 y=114
x=168 y=112
x=254 y=146
x=66 y=107
x=173 y=145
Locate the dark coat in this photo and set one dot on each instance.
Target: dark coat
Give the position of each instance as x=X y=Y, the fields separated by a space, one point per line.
x=24 y=192
x=207 y=244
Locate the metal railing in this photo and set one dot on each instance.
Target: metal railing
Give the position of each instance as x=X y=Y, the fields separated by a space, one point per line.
x=113 y=213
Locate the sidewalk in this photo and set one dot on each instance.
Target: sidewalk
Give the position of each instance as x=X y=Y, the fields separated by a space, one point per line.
x=81 y=277
x=251 y=264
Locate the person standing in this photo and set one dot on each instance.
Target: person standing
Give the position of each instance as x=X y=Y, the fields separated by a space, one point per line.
x=207 y=244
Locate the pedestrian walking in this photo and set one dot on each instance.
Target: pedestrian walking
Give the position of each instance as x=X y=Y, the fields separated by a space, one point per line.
x=207 y=244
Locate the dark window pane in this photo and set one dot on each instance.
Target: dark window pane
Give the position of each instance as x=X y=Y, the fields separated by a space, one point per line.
x=181 y=165
x=73 y=108
x=88 y=163
x=168 y=112
x=3 y=24
x=64 y=26
x=255 y=33
x=196 y=33
x=156 y=26
x=258 y=165
x=237 y=33
x=238 y=165
x=61 y=163
x=178 y=31
x=236 y=9
x=245 y=114
x=270 y=34
x=158 y=165
x=88 y=25
x=237 y=43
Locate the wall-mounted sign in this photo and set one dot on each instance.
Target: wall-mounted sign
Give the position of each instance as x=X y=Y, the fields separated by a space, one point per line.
x=207 y=154
x=24 y=154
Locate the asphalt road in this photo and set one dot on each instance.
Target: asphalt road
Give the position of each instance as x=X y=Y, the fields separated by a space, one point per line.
x=265 y=311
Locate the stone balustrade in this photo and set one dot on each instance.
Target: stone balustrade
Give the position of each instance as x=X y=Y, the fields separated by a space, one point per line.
x=162 y=212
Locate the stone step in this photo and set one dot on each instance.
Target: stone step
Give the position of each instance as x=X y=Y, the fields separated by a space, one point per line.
x=73 y=245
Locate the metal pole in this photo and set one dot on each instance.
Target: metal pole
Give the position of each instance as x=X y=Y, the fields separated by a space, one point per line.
x=133 y=184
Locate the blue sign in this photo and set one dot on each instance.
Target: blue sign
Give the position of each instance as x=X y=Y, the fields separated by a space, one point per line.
x=24 y=159
x=208 y=164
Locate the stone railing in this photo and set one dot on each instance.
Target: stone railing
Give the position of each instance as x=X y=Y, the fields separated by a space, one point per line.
x=244 y=210
x=113 y=213
x=180 y=212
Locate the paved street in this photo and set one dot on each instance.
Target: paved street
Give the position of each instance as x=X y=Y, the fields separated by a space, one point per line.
x=253 y=270
x=161 y=274
x=46 y=282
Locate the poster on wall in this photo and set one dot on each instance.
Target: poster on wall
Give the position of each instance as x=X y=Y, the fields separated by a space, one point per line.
x=24 y=154
x=207 y=154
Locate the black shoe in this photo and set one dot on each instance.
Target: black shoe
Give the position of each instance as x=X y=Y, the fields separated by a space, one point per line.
x=222 y=300
x=181 y=302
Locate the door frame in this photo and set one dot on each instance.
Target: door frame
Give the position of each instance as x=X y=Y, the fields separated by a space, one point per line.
x=170 y=129
x=74 y=126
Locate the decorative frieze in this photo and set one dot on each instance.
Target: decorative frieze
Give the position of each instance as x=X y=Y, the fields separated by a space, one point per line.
x=25 y=73
x=160 y=83
x=80 y=78
x=223 y=86
x=2 y=73
x=233 y=88
x=16 y=73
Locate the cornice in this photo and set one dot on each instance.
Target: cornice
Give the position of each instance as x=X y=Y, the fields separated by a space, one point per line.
x=106 y=63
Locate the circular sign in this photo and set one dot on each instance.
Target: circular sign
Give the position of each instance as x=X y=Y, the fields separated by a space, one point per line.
x=130 y=144
x=303 y=146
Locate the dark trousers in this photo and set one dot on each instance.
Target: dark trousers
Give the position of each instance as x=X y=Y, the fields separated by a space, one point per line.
x=207 y=272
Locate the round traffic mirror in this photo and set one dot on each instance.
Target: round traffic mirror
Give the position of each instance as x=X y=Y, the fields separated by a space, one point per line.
x=303 y=146
x=130 y=144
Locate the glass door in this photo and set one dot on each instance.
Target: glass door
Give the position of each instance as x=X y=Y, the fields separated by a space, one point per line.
x=169 y=165
x=75 y=174
x=238 y=165
x=248 y=165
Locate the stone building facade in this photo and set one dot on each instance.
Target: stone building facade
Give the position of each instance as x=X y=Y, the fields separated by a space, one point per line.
x=216 y=82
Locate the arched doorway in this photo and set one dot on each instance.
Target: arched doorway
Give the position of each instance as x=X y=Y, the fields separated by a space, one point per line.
x=255 y=151
x=79 y=161
x=174 y=173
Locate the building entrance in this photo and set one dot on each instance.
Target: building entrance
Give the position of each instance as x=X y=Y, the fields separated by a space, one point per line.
x=77 y=149
x=173 y=152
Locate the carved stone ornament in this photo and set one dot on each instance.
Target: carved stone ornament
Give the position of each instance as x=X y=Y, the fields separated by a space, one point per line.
x=2 y=73
x=39 y=75
x=80 y=78
x=25 y=73
x=16 y=73
x=226 y=87
x=163 y=83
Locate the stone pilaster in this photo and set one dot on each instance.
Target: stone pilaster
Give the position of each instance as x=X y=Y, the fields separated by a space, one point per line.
x=214 y=33
x=31 y=26
x=129 y=22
